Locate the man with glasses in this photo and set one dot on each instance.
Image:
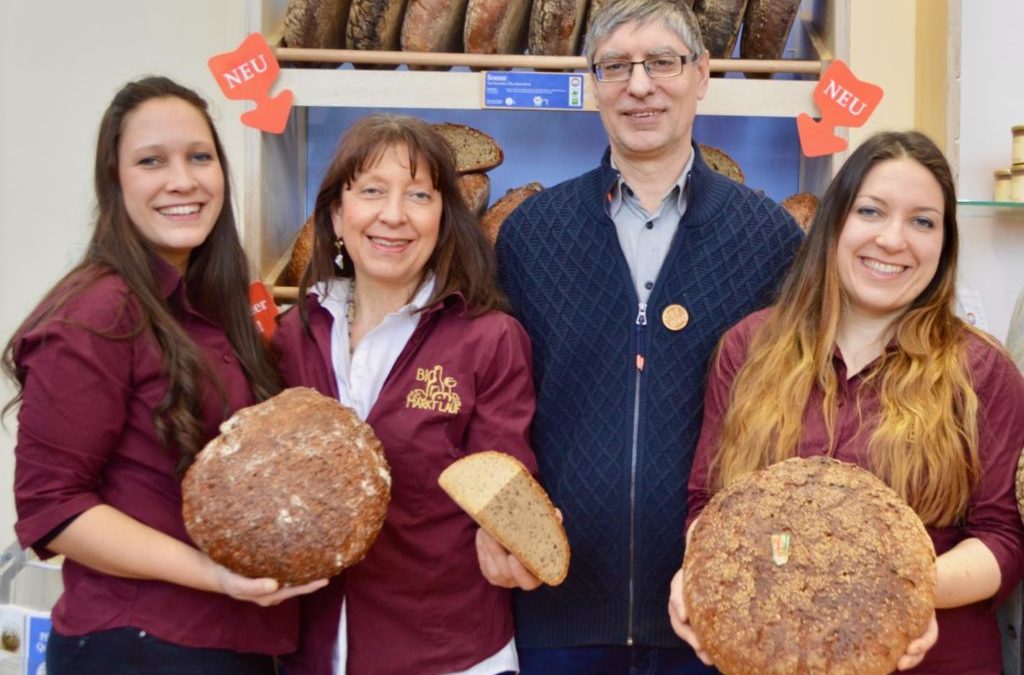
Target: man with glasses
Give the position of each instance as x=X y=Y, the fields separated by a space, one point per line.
x=625 y=278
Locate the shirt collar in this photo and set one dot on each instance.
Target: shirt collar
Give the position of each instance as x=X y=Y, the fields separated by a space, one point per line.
x=168 y=278
x=621 y=191
x=333 y=295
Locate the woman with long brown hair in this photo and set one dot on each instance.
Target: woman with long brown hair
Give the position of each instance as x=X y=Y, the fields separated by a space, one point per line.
x=400 y=320
x=863 y=358
x=123 y=371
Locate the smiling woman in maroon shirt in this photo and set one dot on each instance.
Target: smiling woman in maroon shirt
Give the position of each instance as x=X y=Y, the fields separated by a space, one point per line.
x=124 y=371
x=864 y=359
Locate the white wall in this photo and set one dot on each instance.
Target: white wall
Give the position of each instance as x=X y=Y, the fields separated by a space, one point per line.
x=60 y=63
x=991 y=101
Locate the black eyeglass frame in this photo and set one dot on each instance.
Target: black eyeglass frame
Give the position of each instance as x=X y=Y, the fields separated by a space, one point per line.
x=596 y=69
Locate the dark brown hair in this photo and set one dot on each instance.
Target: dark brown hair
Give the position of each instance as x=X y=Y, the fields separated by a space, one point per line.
x=462 y=261
x=216 y=280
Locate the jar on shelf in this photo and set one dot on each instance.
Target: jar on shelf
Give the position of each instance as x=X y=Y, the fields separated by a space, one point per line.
x=1018 y=144
x=1002 y=190
x=1017 y=183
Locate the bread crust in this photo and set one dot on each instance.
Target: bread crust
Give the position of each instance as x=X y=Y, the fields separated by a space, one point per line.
x=556 y=26
x=719 y=25
x=316 y=24
x=766 y=27
x=491 y=220
x=846 y=593
x=433 y=26
x=294 y=488
x=496 y=26
x=474 y=150
x=375 y=24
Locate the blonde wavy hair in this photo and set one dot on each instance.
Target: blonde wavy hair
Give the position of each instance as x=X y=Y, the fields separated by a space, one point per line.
x=926 y=443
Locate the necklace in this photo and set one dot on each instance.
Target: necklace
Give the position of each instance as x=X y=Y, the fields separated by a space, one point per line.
x=350 y=311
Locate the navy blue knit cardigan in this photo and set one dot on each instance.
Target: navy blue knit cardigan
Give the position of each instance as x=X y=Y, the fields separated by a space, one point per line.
x=567 y=280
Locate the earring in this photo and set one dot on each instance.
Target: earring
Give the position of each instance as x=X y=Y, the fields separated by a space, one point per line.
x=339 y=259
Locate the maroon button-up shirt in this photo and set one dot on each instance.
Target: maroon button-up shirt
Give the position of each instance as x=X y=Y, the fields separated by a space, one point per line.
x=86 y=437
x=418 y=602
x=969 y=639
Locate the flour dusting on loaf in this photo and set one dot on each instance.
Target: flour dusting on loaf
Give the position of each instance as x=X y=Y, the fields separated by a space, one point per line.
x=294 y=489
x=498 y=492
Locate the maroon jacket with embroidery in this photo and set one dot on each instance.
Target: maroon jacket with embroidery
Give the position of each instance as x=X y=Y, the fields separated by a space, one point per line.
x=418 y=602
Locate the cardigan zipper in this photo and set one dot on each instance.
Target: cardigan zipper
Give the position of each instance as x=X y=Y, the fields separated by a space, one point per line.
x=641 y=321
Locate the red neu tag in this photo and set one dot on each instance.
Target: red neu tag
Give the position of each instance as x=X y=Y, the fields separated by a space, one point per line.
x=248 y=73
x=844 y=101
x=264 y=311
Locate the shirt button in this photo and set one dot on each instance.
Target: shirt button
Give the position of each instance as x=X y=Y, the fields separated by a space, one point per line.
x=649 y=225
x=649 y=285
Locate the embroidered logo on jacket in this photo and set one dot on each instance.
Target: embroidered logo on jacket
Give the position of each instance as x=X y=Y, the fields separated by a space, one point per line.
x=438 y=393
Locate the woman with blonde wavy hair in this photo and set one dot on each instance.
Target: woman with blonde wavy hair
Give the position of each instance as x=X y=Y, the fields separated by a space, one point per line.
x=864 y=359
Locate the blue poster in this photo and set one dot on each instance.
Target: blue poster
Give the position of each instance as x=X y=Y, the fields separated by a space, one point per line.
x=37 y=632
x=533 y=91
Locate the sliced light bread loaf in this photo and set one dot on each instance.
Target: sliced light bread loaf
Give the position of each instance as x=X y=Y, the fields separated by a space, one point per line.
x=721 y=162
x=474 y=150
x=498 y=492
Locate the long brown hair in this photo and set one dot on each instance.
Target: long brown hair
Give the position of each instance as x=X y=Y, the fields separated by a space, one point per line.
x=926 y=443
x=216 y=281
x=462 y=261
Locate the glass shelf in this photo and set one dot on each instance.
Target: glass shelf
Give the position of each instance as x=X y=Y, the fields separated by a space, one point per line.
x=971 y=208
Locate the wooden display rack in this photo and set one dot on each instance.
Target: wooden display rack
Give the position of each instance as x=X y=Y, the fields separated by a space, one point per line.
x=274 y=188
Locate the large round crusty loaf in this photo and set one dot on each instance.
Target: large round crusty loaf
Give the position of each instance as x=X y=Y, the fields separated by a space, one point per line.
x=719 y=22
x=556 y=27
x=294 y=489
x=802 y=206
x=496 y=26
x=720 y=161
x=476 y=191
x=316 y=24
x=497 y=491
x=375 y=24
x=766 y=26
x=846 y=592
x=433 y=26
x=474 y=150
x=496 y=215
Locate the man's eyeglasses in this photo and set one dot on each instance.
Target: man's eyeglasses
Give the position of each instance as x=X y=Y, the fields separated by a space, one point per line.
x=667 y=65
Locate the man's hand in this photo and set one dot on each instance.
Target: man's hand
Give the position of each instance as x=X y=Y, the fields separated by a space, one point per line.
x=500 y=567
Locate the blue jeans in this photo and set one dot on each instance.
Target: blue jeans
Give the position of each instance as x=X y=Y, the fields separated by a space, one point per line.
x=611 y=660
x=129 y=651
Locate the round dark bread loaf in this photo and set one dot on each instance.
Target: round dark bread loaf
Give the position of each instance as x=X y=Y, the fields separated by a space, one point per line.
x=802 y=206
x=294 y=489
x=496 y=26
x=766 y=27
x=809 y=566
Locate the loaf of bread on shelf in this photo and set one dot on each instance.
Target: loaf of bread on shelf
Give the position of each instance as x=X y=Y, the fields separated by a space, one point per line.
x=802 y=206
x=316 y=24
x=375 y=24
x=302 y=251
x=719 y=25
x=808 y=566
x=766 y=26
x=496 y=26
x=718 y=160
x=499 y=211
x=433 y=26
x=497 y=491
x=476 y=191
x=556 y=27
x=474 y=150
x=294 y=488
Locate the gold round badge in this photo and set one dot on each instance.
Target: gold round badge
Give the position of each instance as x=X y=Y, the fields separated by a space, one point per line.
x=675 y=317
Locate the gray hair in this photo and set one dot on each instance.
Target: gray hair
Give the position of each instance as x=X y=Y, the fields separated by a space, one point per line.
x=675 y=15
